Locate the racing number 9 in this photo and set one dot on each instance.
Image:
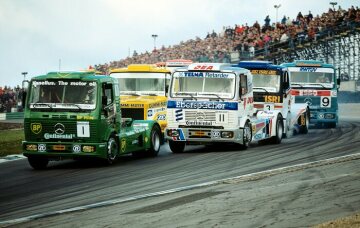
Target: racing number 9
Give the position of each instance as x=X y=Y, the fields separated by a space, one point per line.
x=325 y=102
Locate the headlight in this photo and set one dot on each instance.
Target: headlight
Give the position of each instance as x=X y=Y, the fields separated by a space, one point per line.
x=88 y=149
x=227 y=134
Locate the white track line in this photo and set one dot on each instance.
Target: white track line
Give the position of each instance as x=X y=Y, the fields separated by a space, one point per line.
x=240 y=178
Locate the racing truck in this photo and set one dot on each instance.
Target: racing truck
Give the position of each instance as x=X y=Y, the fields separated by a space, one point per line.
x=77 y=115
x=143 y=92
x=272 y=91
x=315 y=83
x=213 y=103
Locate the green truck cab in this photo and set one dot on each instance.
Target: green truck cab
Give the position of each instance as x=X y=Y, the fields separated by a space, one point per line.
x=77 y=115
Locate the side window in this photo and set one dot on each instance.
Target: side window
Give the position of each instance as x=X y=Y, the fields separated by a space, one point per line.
x=108 y=92
x=243 y=84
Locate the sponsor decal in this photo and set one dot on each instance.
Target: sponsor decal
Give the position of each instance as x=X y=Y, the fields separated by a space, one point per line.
x=36 y=128
x=59 y=130
x=179 y=115
x=124 y=105
x=264 y=72
x=158 y=104
x=203 y=105
x=199 y=123
x=308 y=69
x=150 y=113
x=123 y=145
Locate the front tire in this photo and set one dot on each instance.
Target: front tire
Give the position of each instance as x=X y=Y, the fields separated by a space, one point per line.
x=38 y=163
x=155 y=141
x=304 y=127
x=112 y=150
x=177 y=146
x=247 y=136
x=279 y=130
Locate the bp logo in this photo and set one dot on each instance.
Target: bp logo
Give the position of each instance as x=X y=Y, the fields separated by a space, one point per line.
x=36 y=128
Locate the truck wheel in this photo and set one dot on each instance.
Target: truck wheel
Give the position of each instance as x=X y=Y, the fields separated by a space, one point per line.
x=331 y=125
x=279 y=130
x=176 y=146
x=305 y=128
x=155 y=141
x=288 y=130
x=247 y=136
x=112 y=150
x=38 y=162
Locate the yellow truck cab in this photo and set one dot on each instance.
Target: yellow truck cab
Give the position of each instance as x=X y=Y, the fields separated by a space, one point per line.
x=143 y=92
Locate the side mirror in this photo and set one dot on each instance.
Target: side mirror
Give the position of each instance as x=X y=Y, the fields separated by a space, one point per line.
x=23 y=99
x=338 y=81
x=104 y=100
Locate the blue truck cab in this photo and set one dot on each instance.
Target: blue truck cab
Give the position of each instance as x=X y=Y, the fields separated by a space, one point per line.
x=315 y=83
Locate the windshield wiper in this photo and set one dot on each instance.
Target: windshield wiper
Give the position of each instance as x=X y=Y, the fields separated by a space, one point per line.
x=76 y=105
x=319 y=84
x=297 y=84
x=150 y=94
x=189 y=94
x=132 y=94
x=214 y=94
x=38 y=104
x=261 y=89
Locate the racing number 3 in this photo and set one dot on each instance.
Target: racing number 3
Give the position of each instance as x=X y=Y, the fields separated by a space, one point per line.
x=325 y=102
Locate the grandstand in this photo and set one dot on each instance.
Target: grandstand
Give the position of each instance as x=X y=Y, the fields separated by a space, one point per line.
x=333 y=37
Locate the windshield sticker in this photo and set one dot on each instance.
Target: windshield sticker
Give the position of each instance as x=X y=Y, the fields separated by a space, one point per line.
x=204 y=74
x=264 y=72
x=203 y=105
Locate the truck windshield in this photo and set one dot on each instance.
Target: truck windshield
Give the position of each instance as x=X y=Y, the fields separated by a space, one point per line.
x=322 y=78
x=203 y=84
x=266 y=82
x=142 y=83
x=62 y=94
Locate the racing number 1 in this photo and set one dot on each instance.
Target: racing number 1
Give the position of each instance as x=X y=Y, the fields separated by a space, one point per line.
x=325 y=102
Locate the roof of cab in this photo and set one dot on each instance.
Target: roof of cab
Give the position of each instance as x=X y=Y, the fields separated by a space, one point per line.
x=152 y=68
x=259 y=65
x=71 y=75
x=307 y=63
x=213 y=67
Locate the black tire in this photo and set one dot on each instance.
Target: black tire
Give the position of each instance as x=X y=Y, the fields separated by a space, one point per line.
x=288 y=130
x=247 y=136
x=112 y=150
x=304 y=129
x=37 y=162
x=177 y=146
x=331 y=125
x=155 y=141
x=279 y=130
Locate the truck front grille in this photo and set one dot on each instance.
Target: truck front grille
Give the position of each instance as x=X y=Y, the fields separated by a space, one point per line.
x=134 y=113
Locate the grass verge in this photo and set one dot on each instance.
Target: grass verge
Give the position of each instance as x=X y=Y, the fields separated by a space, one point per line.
x=10 y=141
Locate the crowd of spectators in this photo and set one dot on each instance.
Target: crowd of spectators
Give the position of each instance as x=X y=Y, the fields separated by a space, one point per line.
x=249 y=40
x=10 y=99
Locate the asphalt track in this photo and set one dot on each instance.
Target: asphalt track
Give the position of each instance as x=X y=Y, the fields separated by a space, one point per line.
x=68 y=184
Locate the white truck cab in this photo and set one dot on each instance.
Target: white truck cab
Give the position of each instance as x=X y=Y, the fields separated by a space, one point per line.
x=213 y=102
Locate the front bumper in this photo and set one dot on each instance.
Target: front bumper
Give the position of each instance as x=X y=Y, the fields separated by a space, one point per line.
x=204 y=135
x=64 y=150
x=323 y=117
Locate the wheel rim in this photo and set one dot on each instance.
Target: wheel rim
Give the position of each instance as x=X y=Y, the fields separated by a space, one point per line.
x=155 y=141
x=280 y=129
x=112 y=149
x=247 y=134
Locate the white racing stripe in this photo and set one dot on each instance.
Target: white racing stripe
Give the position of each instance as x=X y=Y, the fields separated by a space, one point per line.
x=246 y=177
